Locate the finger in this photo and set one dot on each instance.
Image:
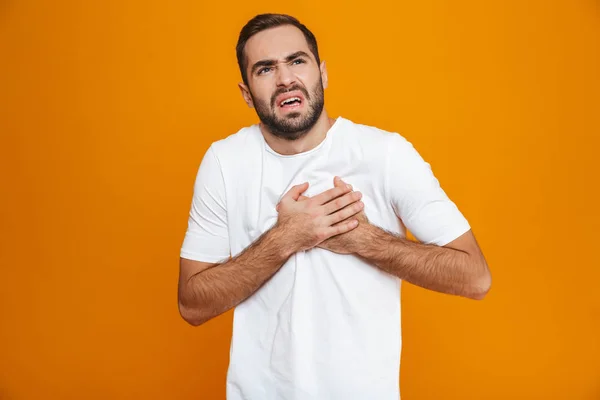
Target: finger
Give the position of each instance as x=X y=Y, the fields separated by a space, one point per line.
x=337 y=181
x=341 y=202
x=341 y=228
x=344 y=213
x=330 y=194
x=296 y=191
x=302 y=197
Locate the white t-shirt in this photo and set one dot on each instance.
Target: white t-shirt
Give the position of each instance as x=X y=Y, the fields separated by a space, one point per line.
x=326 y=325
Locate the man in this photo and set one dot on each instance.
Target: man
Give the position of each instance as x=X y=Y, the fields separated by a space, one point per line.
x=299 y=223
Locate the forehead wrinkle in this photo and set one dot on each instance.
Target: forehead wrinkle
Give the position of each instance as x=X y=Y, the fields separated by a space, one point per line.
x=285 y=37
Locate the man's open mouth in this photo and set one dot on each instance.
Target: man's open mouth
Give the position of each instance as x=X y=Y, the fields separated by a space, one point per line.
x=291 y=102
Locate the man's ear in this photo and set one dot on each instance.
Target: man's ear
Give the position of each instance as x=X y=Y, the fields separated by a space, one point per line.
x=246 y=94
x=324 y=74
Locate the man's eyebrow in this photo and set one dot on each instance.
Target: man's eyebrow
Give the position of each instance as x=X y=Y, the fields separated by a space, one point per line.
x=270 y=63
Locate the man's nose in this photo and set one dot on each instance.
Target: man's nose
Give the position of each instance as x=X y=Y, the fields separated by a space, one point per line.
x=285 y=77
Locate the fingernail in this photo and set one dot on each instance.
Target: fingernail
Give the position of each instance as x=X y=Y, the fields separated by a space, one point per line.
x=349 y=186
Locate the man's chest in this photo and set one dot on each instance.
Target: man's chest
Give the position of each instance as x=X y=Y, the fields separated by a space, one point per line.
x=252 y=200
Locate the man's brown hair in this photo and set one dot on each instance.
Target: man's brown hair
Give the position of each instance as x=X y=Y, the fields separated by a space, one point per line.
x=266 y=21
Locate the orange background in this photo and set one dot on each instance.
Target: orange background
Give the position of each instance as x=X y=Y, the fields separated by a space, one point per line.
x=106 y=109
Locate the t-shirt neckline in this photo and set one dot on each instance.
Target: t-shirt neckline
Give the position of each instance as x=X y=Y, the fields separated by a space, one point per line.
x=330 y=131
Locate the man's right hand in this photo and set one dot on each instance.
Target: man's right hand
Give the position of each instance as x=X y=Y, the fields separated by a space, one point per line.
x=307 y=223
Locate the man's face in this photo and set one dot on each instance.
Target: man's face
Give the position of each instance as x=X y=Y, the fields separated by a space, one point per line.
x=285 y=84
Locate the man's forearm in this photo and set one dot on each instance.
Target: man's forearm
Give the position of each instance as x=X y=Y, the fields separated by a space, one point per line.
x=432 y=267
x=223 y=286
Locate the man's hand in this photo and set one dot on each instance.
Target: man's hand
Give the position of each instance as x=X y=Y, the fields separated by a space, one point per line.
x=348 y=242
x=305 y=224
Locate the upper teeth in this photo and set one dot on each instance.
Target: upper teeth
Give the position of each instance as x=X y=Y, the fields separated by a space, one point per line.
x=290 y=100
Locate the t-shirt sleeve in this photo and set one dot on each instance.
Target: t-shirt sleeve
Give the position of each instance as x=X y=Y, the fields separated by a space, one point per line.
x=207 y=235
x=417 y=197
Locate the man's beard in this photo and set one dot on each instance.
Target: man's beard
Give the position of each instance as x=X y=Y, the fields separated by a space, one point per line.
x=293 y=125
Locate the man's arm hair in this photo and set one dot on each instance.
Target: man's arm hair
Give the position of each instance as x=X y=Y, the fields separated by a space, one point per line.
x=458 y=268
x=207 y=290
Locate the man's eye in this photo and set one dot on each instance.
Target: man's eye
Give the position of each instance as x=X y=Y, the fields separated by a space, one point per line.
x=299 y=61
x=263 y=70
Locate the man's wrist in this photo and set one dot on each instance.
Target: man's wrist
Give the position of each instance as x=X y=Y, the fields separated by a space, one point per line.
x=285 y=247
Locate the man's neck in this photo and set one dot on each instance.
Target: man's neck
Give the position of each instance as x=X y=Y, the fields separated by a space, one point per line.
x=307 y=142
